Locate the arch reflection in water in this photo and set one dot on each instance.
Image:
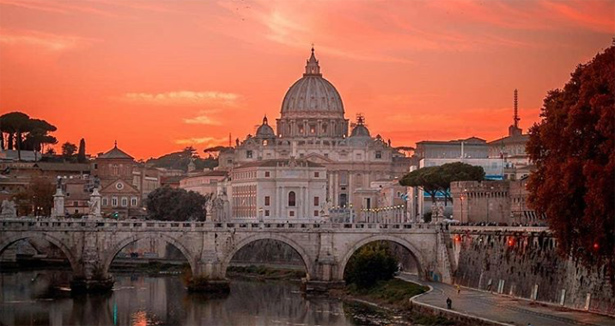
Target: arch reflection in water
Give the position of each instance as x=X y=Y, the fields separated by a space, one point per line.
x=144 y=300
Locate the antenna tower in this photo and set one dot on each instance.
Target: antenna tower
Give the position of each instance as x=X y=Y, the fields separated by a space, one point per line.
x=516 y=116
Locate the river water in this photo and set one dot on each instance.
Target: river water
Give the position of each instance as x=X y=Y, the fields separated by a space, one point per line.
x=141 y=300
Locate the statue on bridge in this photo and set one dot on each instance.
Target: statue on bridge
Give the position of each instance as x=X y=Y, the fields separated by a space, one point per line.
x=8 y=209
x=94 y=204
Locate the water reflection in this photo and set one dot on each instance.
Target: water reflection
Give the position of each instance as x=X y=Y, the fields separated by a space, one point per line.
x=142 y=300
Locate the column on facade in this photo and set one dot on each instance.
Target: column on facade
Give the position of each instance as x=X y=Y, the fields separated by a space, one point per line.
x=307 y=205
x=334 y=194
x=281 y=199
x=305 y=128
x=319 y=130
x=350 y=187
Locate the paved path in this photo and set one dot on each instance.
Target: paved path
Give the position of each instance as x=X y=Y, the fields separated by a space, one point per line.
x=504 y=309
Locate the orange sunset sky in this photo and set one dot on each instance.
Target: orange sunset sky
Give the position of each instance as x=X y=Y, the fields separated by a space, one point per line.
x=160 y=75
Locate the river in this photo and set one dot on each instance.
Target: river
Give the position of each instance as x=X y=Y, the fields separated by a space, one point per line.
x=141 y=300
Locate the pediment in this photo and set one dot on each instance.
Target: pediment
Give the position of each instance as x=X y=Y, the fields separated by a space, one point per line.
x=317 y=158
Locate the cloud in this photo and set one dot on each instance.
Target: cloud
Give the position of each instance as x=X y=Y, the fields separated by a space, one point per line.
x=45 y=41
x=202 y=120
x=200 y=141
x=183 y=98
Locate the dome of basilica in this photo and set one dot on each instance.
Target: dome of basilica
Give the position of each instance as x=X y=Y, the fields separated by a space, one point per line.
x=265 y=130
x=312 y=94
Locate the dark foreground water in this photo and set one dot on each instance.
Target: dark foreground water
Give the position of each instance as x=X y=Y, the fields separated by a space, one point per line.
x=25 y=299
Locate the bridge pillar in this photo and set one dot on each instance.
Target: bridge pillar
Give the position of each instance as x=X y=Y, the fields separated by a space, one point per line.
x=208 y=275
x=91 y=276
x=325 y=275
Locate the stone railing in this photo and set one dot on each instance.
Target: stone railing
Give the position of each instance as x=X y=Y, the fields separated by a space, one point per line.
x=151 y=225
x=494 y=229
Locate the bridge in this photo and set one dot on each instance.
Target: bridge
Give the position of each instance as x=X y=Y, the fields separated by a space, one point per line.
x=90 y=245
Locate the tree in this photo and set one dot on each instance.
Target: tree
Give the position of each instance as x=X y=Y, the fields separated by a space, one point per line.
x=370 y=264
x=81 y=155
x=37 y=198
x=171 y=204
x=573 y=147
x=437 y=179
x=15 y=124
x=68 y=150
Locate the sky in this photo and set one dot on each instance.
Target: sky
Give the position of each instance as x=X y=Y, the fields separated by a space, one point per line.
x=158 y=76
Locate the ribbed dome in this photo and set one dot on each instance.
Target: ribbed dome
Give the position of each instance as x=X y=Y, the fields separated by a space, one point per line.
x=312 y=93
x=360 y=131
x=265 y=130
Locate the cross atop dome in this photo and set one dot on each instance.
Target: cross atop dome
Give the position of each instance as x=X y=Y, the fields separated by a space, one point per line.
x=312 y=68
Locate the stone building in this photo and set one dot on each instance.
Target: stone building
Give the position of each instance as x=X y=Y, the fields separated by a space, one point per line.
x=124 y=183
x=312 y=126
x=499 y=202
x=279 y=189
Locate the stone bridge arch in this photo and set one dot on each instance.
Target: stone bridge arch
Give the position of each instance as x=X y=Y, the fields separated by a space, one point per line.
x=110 y=253
x=307 y=260
x=416 y=253
x=70 y=255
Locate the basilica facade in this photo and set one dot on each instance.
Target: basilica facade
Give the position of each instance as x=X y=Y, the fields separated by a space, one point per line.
x=312 y=127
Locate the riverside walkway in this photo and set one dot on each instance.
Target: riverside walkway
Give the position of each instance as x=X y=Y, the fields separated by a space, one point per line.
x=504 y=309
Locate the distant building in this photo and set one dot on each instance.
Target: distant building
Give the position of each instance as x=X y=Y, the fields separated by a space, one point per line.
x=311 y=127
x=124 y=183
x=279 y=189
x=511 y=149
x=472 y=147
x=499 y=202
x=205 y=183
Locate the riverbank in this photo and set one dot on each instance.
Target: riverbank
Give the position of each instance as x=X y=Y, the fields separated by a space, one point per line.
x=263 y=273
x=392 y=296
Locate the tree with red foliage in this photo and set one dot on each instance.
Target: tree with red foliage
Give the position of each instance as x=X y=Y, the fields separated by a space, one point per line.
x=573 y=148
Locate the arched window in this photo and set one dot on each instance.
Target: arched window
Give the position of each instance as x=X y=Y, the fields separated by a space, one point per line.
x=291 y=198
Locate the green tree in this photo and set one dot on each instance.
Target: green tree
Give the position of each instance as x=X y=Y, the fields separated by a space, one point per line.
x=437 y=179
x=573 y=147
x=171 y=204
x=68 y=150
x=370 y=264
x=81 y=155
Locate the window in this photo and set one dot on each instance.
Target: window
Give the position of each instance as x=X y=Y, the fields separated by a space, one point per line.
x=248 y=154
x=105 y=201
x=229 y=161
x=343 y=199
x=291 y=198
x=114 y=201
x=267 y=174
x=133 y=201
x=344 y=178
x=316 y=174
x=124 y=201
x=266 y=212
x=312 y=129
x=316 y=201
x=291 y=213
x=76 y=203
x=265 y=142
x=267 y=200
x=316 y=213
x=378 y=154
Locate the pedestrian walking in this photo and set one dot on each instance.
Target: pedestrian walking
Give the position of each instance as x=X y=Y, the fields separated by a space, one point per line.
x=449 y=303
x=458 y=289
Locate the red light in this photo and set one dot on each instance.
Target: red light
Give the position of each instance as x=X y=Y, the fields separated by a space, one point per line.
x=511 y=242
x=596 y=246
x=458 y=238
